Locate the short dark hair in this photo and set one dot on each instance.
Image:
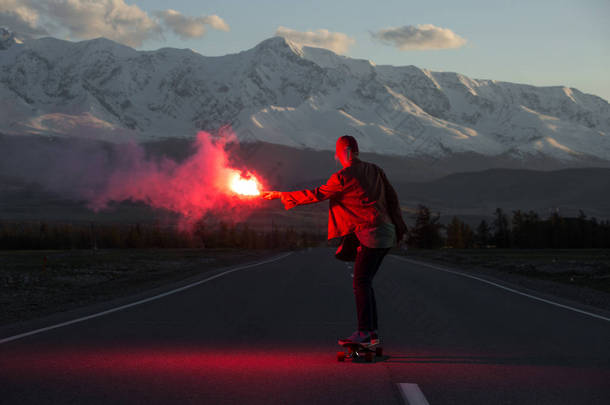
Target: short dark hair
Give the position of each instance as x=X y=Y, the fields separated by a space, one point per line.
x=347 y=141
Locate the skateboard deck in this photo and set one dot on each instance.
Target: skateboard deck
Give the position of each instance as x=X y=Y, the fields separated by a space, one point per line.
x=357 y=351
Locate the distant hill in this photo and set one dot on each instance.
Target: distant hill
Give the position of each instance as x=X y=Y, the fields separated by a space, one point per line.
x=50 y=178
x=479 y=193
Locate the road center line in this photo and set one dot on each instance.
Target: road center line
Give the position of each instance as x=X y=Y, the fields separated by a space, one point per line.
x=591 y=314
x=145 y=300
x=411 y=394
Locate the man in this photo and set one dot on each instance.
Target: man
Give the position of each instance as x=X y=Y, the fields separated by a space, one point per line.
x=363 y=208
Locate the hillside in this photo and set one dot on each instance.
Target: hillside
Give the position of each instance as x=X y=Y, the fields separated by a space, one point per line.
x=300 y=97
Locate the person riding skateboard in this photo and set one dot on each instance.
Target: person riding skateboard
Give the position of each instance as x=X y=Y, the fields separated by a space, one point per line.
x=364 y=210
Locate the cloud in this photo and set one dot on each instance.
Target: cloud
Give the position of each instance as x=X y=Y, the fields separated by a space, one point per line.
x=190 y=27
x=419 y=37
x=21 y=16
x=335 y=41
x=216 y=22
x=112 y=19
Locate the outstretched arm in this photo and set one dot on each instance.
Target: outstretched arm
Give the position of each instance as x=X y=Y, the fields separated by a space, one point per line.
x=291 y=199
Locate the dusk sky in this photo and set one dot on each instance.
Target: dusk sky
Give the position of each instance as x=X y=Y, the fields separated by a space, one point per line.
x=542 y=42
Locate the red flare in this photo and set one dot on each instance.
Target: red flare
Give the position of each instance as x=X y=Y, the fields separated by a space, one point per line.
x=246 y=185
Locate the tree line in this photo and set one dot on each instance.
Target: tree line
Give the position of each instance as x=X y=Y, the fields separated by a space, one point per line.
x=43 y=235
x=520 y=229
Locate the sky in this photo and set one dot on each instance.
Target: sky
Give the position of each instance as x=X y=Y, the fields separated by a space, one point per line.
x=538 y=42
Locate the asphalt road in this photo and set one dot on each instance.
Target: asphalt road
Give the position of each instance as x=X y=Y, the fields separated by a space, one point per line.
x=267 y=334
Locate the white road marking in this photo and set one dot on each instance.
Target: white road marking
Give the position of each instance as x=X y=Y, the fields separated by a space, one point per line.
x=412 y=394
x=591 y=314
x=133 y=304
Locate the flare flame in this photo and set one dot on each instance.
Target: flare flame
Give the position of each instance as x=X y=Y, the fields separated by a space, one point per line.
x=246 y=185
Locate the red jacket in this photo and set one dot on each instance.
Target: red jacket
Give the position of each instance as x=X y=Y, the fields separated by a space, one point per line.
x=361 y=197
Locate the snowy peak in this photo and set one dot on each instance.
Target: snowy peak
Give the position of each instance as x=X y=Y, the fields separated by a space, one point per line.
x=279 y=45
x=283 y=93
x=328 y=59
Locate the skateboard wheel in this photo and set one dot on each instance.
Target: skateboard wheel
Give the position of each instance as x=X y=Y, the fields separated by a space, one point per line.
x=379 y=351
x=369 y=357
x=340 y=356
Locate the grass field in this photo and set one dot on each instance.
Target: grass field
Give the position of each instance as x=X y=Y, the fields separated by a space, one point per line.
x=39 y=283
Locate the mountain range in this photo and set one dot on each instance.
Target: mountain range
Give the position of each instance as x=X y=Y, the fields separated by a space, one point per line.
x=299 y=97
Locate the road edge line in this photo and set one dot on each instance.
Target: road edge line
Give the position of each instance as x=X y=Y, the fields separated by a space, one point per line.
x=143 y=301
x=591 y=314
x=412 y=394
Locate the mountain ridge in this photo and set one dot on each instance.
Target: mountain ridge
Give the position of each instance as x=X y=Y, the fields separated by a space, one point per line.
x=279 y=92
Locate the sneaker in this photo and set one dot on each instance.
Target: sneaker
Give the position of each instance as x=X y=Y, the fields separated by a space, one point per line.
x=360 y=337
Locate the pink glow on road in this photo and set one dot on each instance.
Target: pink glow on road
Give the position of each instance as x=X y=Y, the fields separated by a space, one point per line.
x=226 y=362
x=248 y=375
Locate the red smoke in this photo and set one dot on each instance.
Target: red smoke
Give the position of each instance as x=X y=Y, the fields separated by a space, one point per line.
x=200 y=185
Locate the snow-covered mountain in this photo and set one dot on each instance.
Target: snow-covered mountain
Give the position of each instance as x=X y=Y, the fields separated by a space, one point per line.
x=278 y=92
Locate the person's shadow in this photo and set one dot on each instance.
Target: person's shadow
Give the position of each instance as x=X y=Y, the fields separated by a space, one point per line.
x=506 y=360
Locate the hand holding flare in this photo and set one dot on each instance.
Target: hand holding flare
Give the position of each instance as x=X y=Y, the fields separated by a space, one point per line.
x=272 y=195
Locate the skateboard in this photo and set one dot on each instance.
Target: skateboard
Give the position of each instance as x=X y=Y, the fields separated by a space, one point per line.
x=357 y=351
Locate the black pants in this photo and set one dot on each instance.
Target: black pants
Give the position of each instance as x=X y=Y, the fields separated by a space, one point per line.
x=367 y=263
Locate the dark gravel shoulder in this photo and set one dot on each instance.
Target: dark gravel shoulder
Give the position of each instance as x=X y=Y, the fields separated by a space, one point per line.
x=579 y=276
x=35 y=284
